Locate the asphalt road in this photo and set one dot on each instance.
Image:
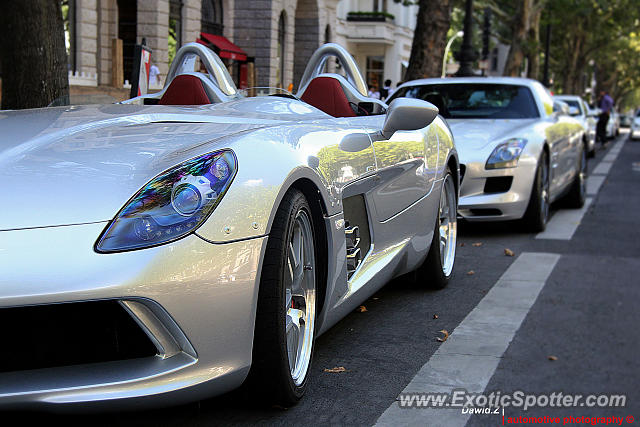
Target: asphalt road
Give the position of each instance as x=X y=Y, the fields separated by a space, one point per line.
x=586 y=316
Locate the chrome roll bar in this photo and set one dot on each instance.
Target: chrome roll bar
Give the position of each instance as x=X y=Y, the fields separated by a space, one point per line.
x=184 y=63
x=319 y=59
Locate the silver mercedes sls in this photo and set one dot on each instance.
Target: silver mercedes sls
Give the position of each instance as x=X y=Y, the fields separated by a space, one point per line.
x=519 y=150
x=180 y=244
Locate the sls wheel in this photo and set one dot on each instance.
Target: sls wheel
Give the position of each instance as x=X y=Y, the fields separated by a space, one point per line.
x=537 y=213
x=577 y=194
x=286 y=313
x=438 y=267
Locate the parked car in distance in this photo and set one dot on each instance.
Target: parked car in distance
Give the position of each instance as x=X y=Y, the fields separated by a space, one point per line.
x=519 y=150
x=184 y=242
x=626 y=120
x=635 y=126
x=613 y=126
x=579 y=110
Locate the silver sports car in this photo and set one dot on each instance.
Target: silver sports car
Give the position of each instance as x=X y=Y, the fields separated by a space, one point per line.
x=181 y=244
x=519 y=150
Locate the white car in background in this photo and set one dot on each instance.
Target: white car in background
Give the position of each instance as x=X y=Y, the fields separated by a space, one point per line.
x=579 y=110
x=635 y=126
x=519 y=149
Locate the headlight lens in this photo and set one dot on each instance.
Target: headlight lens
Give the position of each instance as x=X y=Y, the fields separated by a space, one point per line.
x=506 y=155
x=171 y=205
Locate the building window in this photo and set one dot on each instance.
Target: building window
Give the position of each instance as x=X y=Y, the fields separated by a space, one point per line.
x=69 y=21
x=375 y=71
x=127 y=31
x=379 y=5
x=211 y=17
x=175 y=27
x=282 y=25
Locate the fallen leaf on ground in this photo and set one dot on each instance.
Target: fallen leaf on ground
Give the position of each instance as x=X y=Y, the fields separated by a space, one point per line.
x=476 y=244
x=508 y=252
x=470 y=273
x=336 y=370
x=553 y=358
x=375 y=298
x=435 y=316
x=362 y=309
x=461 y=244
x=446 y=335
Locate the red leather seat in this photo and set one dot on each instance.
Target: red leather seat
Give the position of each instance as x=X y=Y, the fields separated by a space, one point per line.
x=185 y=89
x=326 y=94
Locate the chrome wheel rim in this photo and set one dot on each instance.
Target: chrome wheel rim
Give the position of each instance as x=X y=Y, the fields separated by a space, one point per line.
x=300 y=297
x=544 y=191
x=447 y=225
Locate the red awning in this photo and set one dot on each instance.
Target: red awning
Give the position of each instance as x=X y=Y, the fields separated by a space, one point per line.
x=223 y=47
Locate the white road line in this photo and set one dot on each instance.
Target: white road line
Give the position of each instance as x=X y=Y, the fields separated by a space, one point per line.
x=594 y=182
x=602 y=168
x=564 y=223
x=469 y=358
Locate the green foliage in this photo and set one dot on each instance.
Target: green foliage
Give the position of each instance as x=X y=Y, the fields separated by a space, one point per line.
x=371 y=14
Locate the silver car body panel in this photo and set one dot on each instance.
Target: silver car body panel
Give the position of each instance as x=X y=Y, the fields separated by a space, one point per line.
x=477 y=138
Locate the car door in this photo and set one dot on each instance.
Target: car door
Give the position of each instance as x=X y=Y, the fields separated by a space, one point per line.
x=406 y=167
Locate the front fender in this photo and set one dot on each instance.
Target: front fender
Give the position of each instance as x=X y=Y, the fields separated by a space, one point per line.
x=267 y=167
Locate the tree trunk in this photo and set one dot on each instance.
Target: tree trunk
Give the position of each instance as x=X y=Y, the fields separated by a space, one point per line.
x=34 y=59
x=429 y=39
x=519 y=31
x=533 y=48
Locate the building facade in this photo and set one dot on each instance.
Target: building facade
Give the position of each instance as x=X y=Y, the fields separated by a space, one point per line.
x=378 y=33
x=278 y=36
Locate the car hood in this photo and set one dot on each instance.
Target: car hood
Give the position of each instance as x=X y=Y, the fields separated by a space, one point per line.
x=477 y=134
x=74 y=165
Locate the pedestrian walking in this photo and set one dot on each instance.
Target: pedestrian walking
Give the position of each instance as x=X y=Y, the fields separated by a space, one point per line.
x=605 y=104
x=386 y=90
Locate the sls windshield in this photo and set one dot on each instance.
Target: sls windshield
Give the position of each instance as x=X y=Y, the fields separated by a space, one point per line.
x=476 y=101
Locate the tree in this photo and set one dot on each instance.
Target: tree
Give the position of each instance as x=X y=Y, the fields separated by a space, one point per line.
x=34 y=60
x=595 y=33
x=429 y=39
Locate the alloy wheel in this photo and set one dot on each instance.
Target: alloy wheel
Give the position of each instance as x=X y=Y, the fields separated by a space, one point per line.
x=447 y=225
x=300 y=301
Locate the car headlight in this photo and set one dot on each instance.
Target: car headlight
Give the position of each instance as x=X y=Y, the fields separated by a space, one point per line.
x=171 y=205
x=506 y=155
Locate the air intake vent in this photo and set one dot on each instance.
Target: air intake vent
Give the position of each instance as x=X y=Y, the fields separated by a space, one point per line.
x=498 y=184
x=47 y=336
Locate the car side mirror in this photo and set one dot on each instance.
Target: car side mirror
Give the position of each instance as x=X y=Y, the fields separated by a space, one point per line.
x=408 y=114
x=560 y=108
x=573 y=111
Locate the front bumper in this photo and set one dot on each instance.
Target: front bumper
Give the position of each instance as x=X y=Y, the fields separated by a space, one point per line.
x=194 y=300
x=477 y=205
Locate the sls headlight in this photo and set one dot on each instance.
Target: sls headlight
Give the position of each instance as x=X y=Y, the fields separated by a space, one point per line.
x=506 y=155
x=171 y=205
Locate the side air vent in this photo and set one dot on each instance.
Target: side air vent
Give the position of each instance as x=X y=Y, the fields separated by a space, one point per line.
x=354 y=255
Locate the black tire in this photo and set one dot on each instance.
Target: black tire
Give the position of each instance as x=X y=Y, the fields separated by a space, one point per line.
x=577 y=194
x=537 y=213
x=590 y=153
x=270 y=379
x=431 y=273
